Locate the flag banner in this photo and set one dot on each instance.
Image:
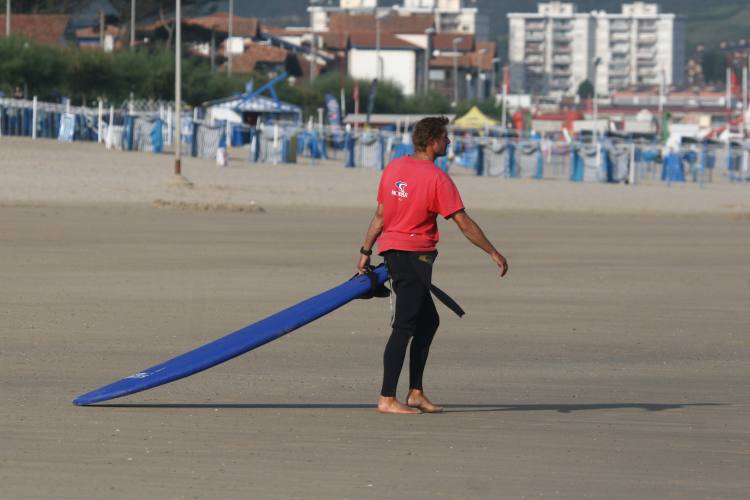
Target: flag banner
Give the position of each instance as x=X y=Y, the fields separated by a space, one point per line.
x=371 y=98
x=333 y=112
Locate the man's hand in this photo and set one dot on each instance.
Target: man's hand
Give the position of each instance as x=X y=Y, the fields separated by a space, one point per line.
x=364 y=261
x=474 y=233
x=498 y=259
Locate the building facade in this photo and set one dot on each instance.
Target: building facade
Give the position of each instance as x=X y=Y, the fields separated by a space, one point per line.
x=555 y=49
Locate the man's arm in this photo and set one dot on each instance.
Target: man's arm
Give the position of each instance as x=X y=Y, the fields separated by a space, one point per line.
x=474 y=233
x=373 y=232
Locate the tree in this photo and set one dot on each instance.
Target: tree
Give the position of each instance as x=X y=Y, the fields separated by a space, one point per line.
x=585 y=90
x=714 y=66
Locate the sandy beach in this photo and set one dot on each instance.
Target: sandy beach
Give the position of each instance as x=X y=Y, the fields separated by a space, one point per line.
x=612 y=362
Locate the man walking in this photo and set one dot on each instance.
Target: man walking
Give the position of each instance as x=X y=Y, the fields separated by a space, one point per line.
x=412 y=192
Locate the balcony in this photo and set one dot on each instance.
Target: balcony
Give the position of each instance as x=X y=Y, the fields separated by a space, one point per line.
x=620 y=36
x=622 y=71
x=534 y=48
x=534 y=36
x=646 y=38
x=535 y=26
x=619 y=48
x=646 y=80
x=561 y=71
x=561 y=59
x=619 y=26
x=646 y=27
x=562 y=27
x=533 y=59
x=646 y=54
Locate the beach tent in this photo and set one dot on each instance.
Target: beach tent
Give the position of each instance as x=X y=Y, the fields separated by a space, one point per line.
x=474 y=118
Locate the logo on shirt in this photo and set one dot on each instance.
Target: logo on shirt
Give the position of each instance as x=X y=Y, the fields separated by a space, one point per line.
x=401 y=191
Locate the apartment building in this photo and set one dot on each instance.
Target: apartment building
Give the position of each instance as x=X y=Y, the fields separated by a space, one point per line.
x=550 y=51
x=640 y=46
x=554 y=50
x=449 y=15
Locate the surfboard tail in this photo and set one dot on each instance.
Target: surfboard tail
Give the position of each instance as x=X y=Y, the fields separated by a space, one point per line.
x=239 y=342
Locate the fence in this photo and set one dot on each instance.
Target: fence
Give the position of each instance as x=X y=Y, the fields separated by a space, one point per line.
x=610 y=160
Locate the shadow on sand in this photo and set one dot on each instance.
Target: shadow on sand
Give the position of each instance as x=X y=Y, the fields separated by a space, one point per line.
x=449 y=408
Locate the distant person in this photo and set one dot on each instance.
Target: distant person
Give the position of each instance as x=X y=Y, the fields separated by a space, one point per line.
x=18 y=93
x=412 y=192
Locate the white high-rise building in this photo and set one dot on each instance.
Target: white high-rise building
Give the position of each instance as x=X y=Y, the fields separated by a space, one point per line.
x=553 y=50
x=639 y=46
x=550 y=51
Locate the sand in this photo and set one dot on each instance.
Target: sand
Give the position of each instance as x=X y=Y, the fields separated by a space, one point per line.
x=612 y=362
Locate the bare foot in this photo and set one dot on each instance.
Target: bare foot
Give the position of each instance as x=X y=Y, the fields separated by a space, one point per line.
x=392 y=405
x=417 y=399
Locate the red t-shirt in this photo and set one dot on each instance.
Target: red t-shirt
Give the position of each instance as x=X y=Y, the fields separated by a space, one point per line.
x=413 y=192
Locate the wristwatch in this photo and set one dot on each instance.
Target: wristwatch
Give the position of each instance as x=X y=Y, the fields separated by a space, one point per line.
x=365 y=252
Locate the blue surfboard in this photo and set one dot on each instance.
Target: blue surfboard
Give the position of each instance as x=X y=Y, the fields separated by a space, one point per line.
x=239 y=342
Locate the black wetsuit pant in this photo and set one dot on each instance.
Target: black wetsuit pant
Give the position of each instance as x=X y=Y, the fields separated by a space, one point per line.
x=416 y=318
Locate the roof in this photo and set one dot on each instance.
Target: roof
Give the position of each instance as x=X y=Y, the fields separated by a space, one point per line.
x=368 y=40
x=256 y=53
x=288 y=31
x=394 y=23
x=444 y=41
x=476 y=59
x=335 y=41
x=462 y=61
x=248 y=27
x=241 y=26
x=43 y=28
x=484 y=60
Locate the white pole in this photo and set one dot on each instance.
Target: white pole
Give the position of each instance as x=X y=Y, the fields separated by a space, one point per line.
x=108 y=141
x=744 y=89
x=729 y=91
x=505 y=103
x=455 y=73
x=275 y=143
x=33 y=118
x=132 y=24
x=631 y=176
x=378 y=68
x=100 y=122
x=101 y=29
x=229 y=39
x=169 y=125
x=178 y=89
x=343 y=102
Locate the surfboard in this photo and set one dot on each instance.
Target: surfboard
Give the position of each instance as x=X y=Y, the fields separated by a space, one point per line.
x=239 y=342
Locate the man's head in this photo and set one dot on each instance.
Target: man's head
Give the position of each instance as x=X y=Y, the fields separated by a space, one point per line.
x=430 y=136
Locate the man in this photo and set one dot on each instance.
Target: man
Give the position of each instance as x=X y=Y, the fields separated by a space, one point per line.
x=412 y=192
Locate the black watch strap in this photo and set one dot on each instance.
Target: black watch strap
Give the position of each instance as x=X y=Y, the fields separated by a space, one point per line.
x=365 y=252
